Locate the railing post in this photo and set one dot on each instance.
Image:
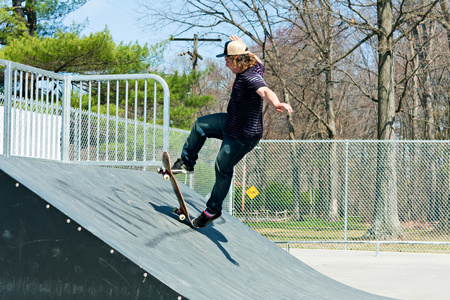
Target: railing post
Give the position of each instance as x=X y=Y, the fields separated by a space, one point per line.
x=166 y=116
x=7 y=125
x=65 y=132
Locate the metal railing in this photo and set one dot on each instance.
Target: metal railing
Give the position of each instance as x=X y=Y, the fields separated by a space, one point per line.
x=60 y=117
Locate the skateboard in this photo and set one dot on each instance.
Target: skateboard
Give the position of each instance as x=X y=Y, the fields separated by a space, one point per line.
x=167 y=174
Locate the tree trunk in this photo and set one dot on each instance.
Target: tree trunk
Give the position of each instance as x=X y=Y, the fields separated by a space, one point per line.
x=444 y=224
x=295 y=161
x=414 y=110
x=18 y=8
x=27 y=13
x=426 y=33
x=333 y=184
x=385 y=223
x=332 y=166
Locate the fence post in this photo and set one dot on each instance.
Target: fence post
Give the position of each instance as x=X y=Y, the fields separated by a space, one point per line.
x=65 y=132
x=7 y=126
x=346 y=196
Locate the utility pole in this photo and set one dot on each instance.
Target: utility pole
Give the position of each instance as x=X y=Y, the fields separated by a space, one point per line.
x=195 y=56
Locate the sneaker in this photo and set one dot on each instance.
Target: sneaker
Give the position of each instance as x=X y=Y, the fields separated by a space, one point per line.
x=180 y=167
x=204 y=219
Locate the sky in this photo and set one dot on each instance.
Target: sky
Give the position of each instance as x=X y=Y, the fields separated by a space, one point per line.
x=121 y=17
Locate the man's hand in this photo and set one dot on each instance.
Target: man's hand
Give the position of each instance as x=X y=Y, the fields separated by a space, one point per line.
x=268 y=95
x=284 y=106
x=235 y=38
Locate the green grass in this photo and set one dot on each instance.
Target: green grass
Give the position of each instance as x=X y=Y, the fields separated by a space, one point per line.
x=315 y=229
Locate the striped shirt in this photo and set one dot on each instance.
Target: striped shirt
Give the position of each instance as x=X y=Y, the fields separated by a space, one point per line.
x=244 y=112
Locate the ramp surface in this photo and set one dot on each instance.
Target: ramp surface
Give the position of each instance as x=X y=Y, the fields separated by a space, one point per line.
x=132 y=212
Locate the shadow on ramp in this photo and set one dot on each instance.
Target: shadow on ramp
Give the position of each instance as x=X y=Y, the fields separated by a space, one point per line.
x=210 y=232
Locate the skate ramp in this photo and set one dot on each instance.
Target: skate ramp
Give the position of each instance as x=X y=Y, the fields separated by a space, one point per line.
x=130 y=214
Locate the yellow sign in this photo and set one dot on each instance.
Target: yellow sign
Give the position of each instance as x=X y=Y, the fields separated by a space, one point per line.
x=252 y=192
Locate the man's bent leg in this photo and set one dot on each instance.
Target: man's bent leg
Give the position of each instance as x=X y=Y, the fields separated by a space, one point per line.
x=209 y=126
x=231 y=152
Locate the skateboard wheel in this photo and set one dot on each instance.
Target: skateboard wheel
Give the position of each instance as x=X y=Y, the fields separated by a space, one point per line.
x=166 y=177
x=175 y=210
x=182 y=217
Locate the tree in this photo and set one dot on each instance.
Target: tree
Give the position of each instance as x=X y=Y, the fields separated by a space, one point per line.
x=254 y=19
x=385 y=221
x=99 y=54
x=41 y=17
x=93 y=54
x=317 y=25
x=184 y=105
x=11 y=25
x=96 y=53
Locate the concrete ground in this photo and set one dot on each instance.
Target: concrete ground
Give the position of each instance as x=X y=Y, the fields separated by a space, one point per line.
x=406 y=276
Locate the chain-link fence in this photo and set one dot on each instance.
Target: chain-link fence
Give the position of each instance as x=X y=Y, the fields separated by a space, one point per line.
x=203 y=179
x=351 y=194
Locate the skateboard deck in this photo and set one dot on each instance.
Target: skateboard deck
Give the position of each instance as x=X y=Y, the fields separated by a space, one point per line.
x=181 y=211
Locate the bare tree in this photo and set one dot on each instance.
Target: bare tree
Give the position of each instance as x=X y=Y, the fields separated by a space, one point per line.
x=254 y=19
x=390 y=20
x=316 y=23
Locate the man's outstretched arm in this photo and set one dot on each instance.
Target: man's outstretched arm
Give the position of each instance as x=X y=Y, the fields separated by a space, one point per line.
x=269 y=96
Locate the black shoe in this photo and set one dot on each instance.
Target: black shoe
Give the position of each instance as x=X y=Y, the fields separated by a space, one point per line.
x=204 y=219
x=180 y=167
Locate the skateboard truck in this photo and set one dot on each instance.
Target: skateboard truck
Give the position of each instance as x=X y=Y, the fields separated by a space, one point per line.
x=165 y=173
x=179 y=212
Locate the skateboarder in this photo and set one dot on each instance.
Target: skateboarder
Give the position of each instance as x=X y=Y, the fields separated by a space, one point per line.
x=240 y=129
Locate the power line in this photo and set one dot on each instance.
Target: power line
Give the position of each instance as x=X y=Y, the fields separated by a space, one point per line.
x=122 y=9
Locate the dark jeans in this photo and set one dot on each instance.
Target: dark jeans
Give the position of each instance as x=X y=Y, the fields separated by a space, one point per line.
x=230 y=153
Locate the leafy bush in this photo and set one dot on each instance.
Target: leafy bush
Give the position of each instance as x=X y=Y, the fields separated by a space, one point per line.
x=279 y=197
x=275 y=197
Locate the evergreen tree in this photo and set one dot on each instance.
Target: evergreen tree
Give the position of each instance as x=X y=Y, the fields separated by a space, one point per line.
x=183 y=105
x=35 y=17
x=96 y=53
